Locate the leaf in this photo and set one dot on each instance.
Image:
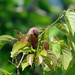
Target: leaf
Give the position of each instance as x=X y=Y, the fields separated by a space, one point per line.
x=73 y=44
x=45 y=45
x=5 y=39
x=33 y=50
x=23 y=38
x=25 y=49
x=43 y=53
x=17 y=46
x=63 y=27
x=24 y=65
x=70 y=19
x=55 y=47
x=39 y=59
x=16 y=31
x=5 y=72
x=71 y=67
x=47 y=62
x=46 y=70
x=66 y=57
x=30 y=59
x=54 y=39
x=52 y=57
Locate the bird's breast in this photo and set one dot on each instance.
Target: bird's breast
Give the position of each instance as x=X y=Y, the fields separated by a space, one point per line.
x=34 y=42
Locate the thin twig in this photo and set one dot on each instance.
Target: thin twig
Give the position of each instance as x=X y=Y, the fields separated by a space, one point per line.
x=12 y=63
x=16 y=60
x=50 y=26
x=17 y=66
x=21 y=60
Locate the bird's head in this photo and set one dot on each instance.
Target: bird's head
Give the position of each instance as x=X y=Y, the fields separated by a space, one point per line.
x=33 y=31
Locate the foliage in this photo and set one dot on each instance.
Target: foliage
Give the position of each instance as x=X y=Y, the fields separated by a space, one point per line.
x=5 y=39
x=5 y=72
x=53 y=55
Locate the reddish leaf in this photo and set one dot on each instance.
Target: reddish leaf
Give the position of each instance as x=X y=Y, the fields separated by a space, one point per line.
x=17 y=32
x=23 y=38
x=45 y=45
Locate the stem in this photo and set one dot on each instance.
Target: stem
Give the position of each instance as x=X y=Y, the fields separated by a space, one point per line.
x=12 y=63
x=17 y=66
x=16 y=60
x=21 y=60
x=33 y=69
x=50 y=25
x=18 y=73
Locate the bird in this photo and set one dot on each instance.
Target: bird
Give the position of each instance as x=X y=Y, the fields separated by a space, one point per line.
x=25 y=41
x=31 y=37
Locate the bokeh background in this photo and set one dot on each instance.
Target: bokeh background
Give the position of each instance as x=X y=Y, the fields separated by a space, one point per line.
x=23 y=14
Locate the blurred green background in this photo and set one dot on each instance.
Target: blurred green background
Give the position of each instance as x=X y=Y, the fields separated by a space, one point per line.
x=23 y=14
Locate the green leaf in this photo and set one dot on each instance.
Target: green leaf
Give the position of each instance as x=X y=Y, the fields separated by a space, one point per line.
x=68 y=28
x=73 y=44
x=26 y=49
x=5 y=72
x=15 y=49
x=43 y=53
x=24 y=45
x=39 y=59
x=5 y=39
x=46 y=70
x=55 y=47
x=70 y=18
x=30 y=59
x=48 y=63
x=52 y=57
x=63 y=27
x=17 y=46
x=32 y=50
x=24 y=65
x=66 y=57
x=71 y=67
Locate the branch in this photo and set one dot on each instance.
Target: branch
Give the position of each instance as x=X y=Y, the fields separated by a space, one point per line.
x=12 y=63
x=17 y=66
x=50 y=26
x=21 y=60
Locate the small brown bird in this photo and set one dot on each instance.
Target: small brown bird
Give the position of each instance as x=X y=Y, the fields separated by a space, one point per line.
x=31 y=37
